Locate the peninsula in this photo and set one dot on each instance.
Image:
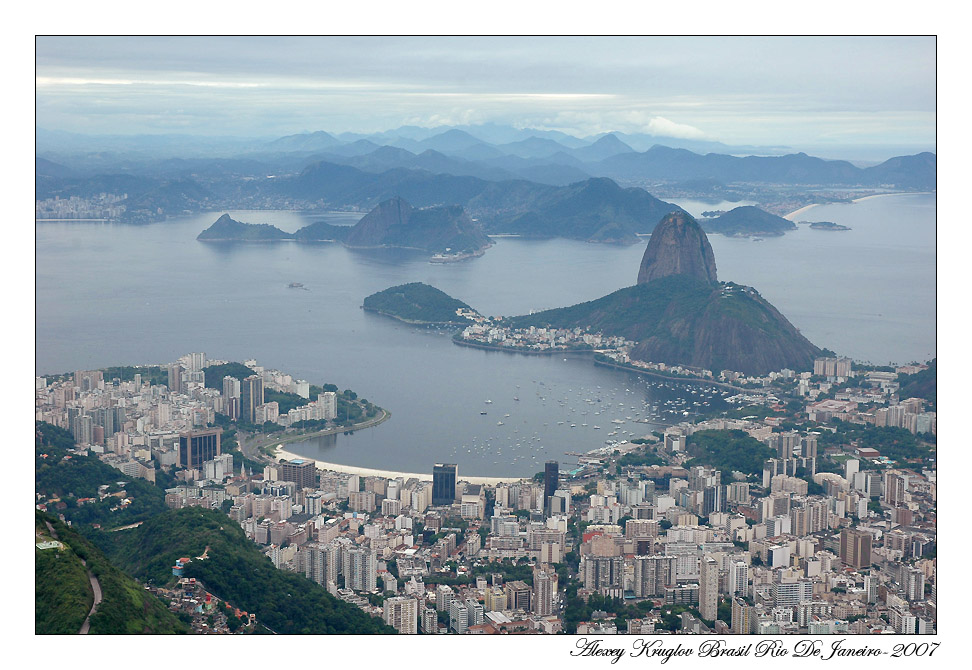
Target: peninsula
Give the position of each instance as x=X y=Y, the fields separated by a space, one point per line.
x=678 y=314
x=420 y=304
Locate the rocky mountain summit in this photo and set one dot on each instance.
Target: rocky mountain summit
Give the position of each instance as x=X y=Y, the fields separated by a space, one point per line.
x=679 y=313
x=678 y=246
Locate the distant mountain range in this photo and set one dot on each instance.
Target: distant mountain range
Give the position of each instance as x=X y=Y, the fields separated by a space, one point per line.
x=538 y=183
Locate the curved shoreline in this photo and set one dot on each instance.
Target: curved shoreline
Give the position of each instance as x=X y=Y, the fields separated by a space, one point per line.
x=280 y=452
x=855 y=200
x=299 y=437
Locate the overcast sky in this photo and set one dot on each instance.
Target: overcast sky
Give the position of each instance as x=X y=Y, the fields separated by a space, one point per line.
x=787 y=90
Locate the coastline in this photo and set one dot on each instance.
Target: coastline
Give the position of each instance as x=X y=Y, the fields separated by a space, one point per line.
x=807 y=208
x=280 y=452
x=688 y=380
x=300 y=437
x=516 y=350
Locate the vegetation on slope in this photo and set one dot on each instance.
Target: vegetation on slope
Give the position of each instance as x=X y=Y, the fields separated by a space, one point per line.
x=62 y=592
x=922 y=384
x=748 y=220
x=681 y=320
x=728 y=450
x=237 y=571
x=62 y=477
x=126 y=607
x=416 y=303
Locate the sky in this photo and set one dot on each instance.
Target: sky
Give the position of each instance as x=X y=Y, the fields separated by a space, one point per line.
x=794 y=91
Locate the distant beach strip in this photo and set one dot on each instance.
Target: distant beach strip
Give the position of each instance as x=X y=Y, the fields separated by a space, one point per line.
x=803 y=210
x=280 y=452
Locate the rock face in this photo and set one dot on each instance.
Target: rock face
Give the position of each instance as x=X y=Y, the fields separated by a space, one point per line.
x=678 y=246
x=395 y=223
x=679 y=314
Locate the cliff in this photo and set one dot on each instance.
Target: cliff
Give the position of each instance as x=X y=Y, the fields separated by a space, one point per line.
x=678 y=246
x=679 y=313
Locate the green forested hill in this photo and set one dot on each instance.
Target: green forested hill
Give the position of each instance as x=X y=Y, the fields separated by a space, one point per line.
x=922 y=384
x=70 y=477
x=681 y=320
x=63 y=593
x=416 y=303
x=236 y=571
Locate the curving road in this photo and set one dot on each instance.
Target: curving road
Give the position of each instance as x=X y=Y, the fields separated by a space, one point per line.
x=95 y=586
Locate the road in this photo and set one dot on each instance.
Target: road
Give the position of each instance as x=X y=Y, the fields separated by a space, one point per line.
x=95 y=586
x=250 y=443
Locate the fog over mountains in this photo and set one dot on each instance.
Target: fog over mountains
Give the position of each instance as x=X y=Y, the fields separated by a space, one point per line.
x=498 y=173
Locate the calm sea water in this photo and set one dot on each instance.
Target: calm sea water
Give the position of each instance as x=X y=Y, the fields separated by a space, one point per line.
x=112 y=295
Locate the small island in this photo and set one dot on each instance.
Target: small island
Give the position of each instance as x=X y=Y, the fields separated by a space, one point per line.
x=446 y=232
x=747 y=221
x=825 y=225
x=420 y=304
x=227 y=229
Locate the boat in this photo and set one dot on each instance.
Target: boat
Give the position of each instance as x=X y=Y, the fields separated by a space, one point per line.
x=483 y=413
x=499 y=423
x=295 y=284
x=489 y=402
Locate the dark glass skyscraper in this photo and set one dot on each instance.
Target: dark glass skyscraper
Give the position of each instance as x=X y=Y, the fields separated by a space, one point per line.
x=551 y=480
x=251 y=397
x=198 y=446
x=444 y=477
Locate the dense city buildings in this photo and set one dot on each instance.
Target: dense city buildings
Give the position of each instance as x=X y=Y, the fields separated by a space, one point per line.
x=821 y=533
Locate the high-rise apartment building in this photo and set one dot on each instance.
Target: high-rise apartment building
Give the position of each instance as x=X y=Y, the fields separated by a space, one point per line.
x=198 y=446
x=709 y=588
x=855 y=548
x=743 y=617
x=402 y=613
x=444 y=483
x=544 y=588
x=360 y=569
x=602 y=573
x=175 y=378
x=653 y=574
x=231 y=397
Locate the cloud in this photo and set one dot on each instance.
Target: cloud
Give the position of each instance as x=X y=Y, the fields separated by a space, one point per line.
x=600 y=120
x=662 y=126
